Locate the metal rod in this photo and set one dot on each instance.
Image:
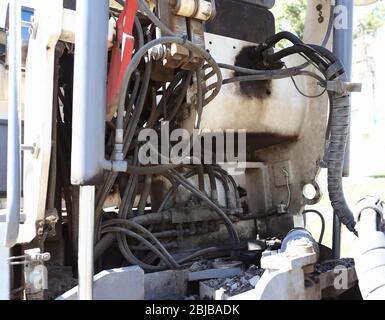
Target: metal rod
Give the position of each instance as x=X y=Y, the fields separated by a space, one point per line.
x=13 y=149
x=89 y=95
x=343 y=49
x=86 y=242
x=336 y=238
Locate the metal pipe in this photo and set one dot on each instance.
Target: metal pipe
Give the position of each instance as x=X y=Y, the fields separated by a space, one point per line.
x=86 y=242
x=13 y=149
x=145 y=193
x=336 y=237
x=343 y=50
x=103 y=244
x=87 y=158
x=89 y=94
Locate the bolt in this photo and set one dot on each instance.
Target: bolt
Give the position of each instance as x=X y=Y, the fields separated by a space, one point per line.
x=281 y=208
x=158 y=52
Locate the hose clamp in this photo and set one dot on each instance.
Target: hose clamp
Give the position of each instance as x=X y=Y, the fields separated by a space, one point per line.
x=342 y=87
x=334 y=70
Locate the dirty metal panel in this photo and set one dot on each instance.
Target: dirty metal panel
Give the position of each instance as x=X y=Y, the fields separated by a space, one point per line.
x=282 y=173
x=273 y=118
x=38 y=113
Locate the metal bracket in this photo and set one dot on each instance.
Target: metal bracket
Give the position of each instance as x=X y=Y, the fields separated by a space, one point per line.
x=342 y=87
x=33 y=149
x=35 y=274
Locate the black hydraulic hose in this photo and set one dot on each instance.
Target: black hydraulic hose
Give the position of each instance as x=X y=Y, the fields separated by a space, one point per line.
x=133 y=97
x=153 y=218
x=274 y=75
x=297 y=42
x=201 y=179
x=140 y=100
x=154 y=19
x=137 y=58
x=139 y=32
x=308 y=51
x=325 y=52
x=234 y=184
x=213 y=183
x=128 y=197
x=226 y=187
x=103 y=244
x=200 y=253
x=171 y=192
x=165 y=200
x=330 y=26
x=142 y=229
x=156 y=169
x=323 y=224
x=145 y=194
x=139 y=238
x=264 y=73
x=229 y=225
x=180 y=77
x=129 y=134
x=273 y=40
x=181 y=96
x=168 y=245
x=111 y=176
x=199 y=97
x=214 y=190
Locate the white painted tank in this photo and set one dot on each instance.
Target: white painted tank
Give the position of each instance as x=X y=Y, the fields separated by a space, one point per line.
x=280 y=113
x=275 y=117
x=279 y=116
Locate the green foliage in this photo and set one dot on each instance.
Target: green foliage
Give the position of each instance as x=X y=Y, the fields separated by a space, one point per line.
x=369 y=24
x=290 y=16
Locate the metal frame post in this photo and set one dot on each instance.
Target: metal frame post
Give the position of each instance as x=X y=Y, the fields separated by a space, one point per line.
x=89 y=93
x=86 y=242
x=342 y=48
x=88 y=124
x=13 y=148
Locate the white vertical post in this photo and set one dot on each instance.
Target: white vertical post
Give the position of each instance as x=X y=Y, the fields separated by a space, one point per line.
x=89 y=94
x=13 y=148
x=86 y=242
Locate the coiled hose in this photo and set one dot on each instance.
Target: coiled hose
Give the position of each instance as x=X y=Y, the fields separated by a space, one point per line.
x=339 y=132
